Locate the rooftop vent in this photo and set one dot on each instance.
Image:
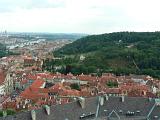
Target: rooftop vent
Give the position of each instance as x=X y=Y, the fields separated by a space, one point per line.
x=157 y=101
x=122 y=98
x=107 y=97
x=155 y=116
x=120 y=111
x=85 y=116
x=101 y=100
x=138 y=111
x=47 y=108
x=129 y=113
x=33 y=115
x=105 y=110
x=150 y=99
x=82 y=102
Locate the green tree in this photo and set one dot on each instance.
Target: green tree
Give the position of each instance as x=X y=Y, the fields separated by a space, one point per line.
x=75 y=86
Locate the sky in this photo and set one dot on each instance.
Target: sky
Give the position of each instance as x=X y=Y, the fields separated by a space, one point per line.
x=79 y=16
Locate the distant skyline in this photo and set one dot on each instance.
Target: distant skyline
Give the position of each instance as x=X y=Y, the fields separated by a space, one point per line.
x=79 y=16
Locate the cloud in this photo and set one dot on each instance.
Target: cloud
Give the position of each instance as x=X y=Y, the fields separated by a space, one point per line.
x=12 y=5
x=89 y=16
x=46 y=4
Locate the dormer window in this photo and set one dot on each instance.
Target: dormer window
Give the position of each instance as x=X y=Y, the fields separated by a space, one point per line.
x=137 y=111
x=105 y=110
x=155 y=116
x=120 y=111
x=129 y=113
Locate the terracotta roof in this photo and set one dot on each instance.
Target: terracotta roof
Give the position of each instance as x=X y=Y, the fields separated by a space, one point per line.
x=87 y=78
x=34 y=91
x=70 y=93
x=29 y=60
x=31 y=77
x=106 y=78
x=85 y=93
x=138 y=87
x=37 y=83
x=10 y=104
x=44 y=75
x=57 y=87
x=112 y=91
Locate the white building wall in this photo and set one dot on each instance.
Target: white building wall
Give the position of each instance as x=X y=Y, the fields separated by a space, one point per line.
x=2 y=89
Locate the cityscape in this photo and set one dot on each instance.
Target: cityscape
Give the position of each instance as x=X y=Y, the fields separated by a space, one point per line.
x=79 y=60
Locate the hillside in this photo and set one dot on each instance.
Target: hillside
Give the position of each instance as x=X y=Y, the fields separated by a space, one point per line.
x=120 y=53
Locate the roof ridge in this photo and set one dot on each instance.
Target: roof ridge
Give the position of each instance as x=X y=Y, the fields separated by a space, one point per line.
x=113 y=111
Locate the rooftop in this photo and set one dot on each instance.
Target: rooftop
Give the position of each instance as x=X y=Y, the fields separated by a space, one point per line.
x=97 y=108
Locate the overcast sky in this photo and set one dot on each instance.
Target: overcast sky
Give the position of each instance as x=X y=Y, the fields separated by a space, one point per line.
x=79 y=16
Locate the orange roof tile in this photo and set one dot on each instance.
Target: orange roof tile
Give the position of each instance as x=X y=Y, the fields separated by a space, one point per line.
x=57 y=87
x=37 y=83
x=34 y=91
x=70 y=93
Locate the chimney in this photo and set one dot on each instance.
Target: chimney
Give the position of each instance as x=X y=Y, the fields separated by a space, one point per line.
x=122 y=98
x=149 y=99
x=107 y=97
x=33 y=115
x=47 y=108
x=82 y=102
x=101 y=100
x=157 y=102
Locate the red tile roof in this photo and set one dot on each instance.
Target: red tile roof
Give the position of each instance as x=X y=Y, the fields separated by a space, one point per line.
x=11 y=105
x=57 y=87
x=37 y=83
x=34 y=91
x=134 y=86
x=112 y=91
x=45 y=75
x=31 y=77
x=85 y=93
x=29 y=60
x=70 y=93
x=87 y=78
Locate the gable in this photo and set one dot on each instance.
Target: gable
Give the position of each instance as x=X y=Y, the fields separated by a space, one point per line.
x=114 y=115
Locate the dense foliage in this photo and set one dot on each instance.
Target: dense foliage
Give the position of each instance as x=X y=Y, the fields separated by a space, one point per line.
x=7 y=112
x=4 y=51
x=120 y=53
x=112 y=84
x=75 y=86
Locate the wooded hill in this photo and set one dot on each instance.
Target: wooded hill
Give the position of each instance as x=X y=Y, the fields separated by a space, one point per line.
x=120 y=53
